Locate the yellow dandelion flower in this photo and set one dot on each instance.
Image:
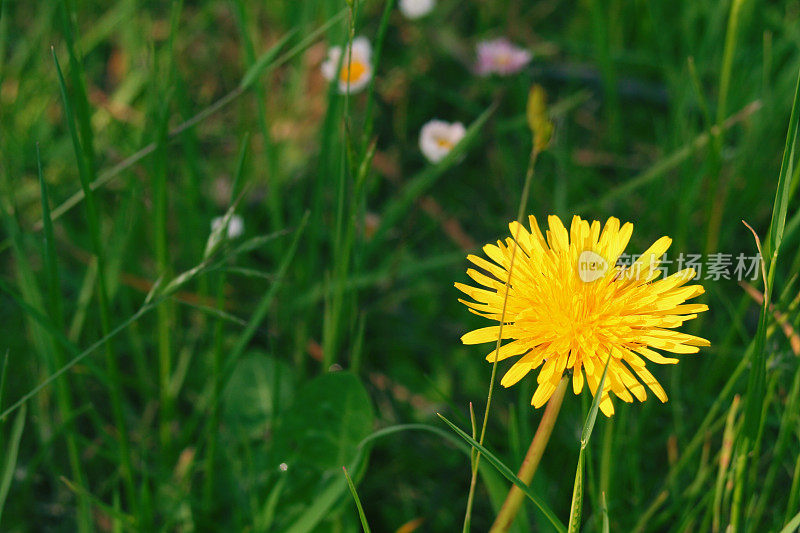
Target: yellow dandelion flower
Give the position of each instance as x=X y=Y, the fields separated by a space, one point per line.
x=570 y=307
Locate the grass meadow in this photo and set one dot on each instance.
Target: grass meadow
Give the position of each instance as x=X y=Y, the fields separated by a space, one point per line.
x=161 y=374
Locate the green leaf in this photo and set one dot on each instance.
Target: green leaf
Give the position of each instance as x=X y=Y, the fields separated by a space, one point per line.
x=328 y=419
x=509 y=475
x=259 y=385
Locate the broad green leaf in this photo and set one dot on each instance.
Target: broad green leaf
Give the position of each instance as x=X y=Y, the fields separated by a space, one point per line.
x=328 y=419
x=259 y=386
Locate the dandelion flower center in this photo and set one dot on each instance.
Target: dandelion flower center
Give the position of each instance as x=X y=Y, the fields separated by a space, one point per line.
x=570 y=308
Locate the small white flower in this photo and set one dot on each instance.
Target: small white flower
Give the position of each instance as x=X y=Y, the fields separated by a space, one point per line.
x=414 y=9
x=235 y=225
x=499 y=56
x=355 y=70
x=438 y=137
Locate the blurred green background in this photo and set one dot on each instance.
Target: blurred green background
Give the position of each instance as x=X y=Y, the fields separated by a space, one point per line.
x=230 y=399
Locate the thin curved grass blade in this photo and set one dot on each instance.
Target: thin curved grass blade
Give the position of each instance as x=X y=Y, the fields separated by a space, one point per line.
x=509 y=475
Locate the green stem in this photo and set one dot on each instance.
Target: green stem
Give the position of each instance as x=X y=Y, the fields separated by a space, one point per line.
x=523 y=203
x=86 y=174
x=216 y=372
x=515 y=497
x=63 y=394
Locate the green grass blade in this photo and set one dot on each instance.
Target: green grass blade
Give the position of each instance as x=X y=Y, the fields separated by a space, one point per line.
x=779 y=209
x=757 y=381
x=83 y=110
x=264 y=61
x=588 y=425
x=55 y=310
x=114 y=385
x=576 y=507
x=361 y=516
x=11 y=456
x=51 y=267
x=509 y=475
x=793 y=525
x=3 y=376
x=122 y=517
x=327 y=498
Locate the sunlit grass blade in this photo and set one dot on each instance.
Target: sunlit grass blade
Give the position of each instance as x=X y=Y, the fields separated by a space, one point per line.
x=576 y=507
x=756 y=383
x=588 y=425
x=793 y=525
x=728 y=437
x=361 y=516
x=794 y=491
x=509 y=475
x=780 y=207
x=604 y=503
